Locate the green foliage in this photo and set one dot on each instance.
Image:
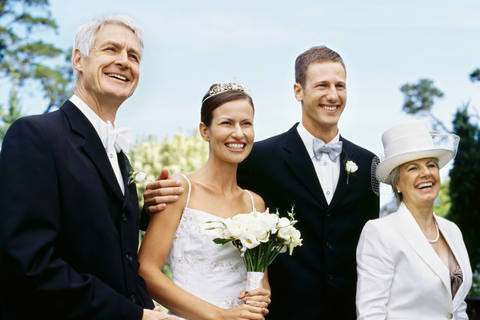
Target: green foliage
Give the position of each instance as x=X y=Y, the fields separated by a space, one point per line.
x=475 y=75
x=419 y=99
x=465 y=184
x=22 y=59
x=10 y=116
x=475 y=291
x=443 y=203
x=183 y=153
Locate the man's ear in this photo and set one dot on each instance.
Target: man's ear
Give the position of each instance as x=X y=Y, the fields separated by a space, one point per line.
x=77 y=61
x=298 y=91
x=203 y=129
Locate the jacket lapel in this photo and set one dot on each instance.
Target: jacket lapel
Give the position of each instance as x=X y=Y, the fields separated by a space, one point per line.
x=342 y=186
x=92 y=145
x=455 y=245
x=298 y=160
x=124 y=167
x=415 y=237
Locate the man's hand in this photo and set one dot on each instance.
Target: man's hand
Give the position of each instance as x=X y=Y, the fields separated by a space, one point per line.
x=160 y=192
x=156 y=314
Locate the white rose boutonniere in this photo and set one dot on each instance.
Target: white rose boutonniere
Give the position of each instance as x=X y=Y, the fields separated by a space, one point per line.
x=137 y=177
x=350 y=167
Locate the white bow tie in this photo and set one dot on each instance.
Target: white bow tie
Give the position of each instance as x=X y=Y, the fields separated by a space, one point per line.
x=115 y=138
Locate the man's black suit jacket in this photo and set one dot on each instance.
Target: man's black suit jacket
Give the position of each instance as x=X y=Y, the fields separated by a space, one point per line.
x=319 y=280
x=68 y=237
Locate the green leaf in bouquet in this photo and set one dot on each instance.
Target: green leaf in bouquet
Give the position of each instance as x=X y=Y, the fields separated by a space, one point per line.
x=221 y=241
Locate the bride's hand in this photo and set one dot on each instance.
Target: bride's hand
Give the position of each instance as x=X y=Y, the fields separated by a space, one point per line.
x=257 y=298
x=244 y=312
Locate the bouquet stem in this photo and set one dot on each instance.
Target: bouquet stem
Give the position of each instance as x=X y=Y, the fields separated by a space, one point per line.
x=254 y=280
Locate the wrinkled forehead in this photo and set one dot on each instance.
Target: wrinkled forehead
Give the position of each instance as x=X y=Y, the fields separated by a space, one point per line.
x=116 y=33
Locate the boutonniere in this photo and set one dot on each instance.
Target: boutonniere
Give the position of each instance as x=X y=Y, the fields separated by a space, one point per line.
x=350 y=166
x=136 y=176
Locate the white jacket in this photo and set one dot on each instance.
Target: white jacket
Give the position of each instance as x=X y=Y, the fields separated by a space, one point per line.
x=400 y=276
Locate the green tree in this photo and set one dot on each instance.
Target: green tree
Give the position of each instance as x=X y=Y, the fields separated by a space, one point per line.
x=419 y=99
x=23 y=59
x=465 y=184
x=475 y=75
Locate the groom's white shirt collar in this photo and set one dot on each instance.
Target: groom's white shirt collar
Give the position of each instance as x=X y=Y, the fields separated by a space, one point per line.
x=328 y=171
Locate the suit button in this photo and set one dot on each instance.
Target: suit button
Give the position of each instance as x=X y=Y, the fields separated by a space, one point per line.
x=330 y=277
x=328 y=245
x=449 y=316
x=132 y=297
x=329 y=214
x=124 y=217
x=128 y=257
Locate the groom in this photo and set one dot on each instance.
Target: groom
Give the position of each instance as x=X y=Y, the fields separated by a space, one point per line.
x=306 y=167
x=68 y=216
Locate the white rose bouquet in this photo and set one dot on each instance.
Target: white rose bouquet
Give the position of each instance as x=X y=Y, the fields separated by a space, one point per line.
x=260 y=237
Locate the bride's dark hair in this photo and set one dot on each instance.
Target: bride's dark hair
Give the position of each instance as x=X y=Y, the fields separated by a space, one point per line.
x=210 y=103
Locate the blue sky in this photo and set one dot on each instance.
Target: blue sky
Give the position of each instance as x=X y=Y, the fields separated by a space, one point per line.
x=191 y=44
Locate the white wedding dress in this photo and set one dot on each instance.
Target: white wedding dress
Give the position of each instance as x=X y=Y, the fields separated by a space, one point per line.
x=213 y=272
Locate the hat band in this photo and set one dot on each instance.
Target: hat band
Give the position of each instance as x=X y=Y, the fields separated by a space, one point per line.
x=418 y=142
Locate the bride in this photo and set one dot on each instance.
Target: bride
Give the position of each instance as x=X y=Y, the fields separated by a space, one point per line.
x=208 y=279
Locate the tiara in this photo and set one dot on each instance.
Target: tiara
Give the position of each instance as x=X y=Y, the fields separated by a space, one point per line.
x=229 y=86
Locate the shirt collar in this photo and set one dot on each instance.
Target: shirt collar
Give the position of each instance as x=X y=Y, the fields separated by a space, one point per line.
x=94 y=118
x=307 y=139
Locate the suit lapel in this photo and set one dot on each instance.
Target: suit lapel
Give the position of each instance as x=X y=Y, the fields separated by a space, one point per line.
x=124 y=167
x=464 y=264
x=298 y=160
x=92 y=145
x=342 y=186
x=415 y=237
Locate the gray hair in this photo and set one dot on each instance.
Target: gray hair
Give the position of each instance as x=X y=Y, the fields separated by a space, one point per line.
x=87 y=34
x=394 y=177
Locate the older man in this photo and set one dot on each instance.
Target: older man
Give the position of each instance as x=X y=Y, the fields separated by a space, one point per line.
x=68 y=216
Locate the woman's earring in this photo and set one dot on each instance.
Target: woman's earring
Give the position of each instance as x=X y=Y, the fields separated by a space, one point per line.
x=398 y=190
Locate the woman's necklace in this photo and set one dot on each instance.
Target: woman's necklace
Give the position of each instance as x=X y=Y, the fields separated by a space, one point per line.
x=438 y=233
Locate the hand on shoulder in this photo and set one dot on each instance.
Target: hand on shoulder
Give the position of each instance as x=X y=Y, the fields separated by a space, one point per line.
x=164 y=190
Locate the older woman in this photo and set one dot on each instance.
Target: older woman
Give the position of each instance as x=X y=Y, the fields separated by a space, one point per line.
x=412 y=264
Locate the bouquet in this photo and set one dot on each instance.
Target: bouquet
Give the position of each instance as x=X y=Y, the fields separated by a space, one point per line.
x=260 y=237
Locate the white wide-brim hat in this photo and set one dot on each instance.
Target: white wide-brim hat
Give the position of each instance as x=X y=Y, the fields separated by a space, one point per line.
x=411 y=140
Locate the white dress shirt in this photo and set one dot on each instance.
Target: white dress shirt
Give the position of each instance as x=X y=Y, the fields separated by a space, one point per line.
x=101 y=128
x=328 y=171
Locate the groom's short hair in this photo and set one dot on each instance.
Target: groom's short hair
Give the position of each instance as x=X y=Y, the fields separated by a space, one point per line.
x=317 y=54
x=87 y=34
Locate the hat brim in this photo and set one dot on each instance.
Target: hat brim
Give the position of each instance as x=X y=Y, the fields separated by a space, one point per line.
x=385 y=167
